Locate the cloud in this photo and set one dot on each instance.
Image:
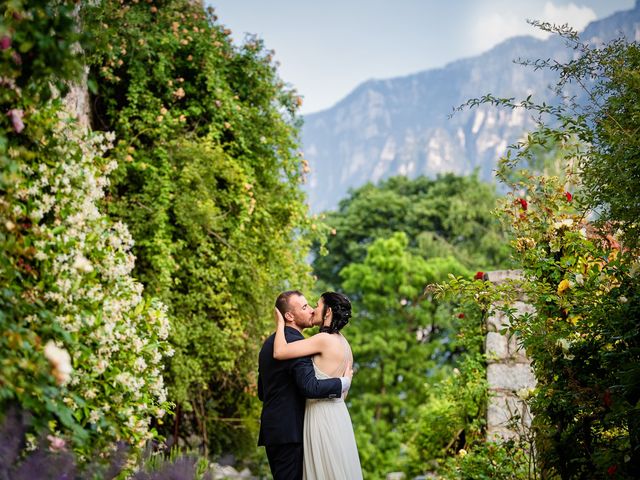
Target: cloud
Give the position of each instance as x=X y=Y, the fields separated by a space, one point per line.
x=577 y=17
x=491 y=28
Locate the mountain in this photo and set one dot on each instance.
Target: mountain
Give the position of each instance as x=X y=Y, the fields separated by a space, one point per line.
x=403 y=125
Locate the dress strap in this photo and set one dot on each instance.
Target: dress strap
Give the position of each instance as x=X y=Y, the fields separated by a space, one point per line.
x=342 y=368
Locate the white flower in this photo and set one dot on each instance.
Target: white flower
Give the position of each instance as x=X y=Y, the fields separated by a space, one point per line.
x=564 y=344
x=579 y=279
x=94 y=416
x=140 y=365
x=101 y=366
x=567 y=222
x=623 y=299
x=82 y=264
x=525 y=393
x=60 y=360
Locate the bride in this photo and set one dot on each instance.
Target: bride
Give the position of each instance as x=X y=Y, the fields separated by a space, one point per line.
x=330 y=450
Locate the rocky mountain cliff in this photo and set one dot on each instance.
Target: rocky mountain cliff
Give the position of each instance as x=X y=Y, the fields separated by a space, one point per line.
x=403 y=125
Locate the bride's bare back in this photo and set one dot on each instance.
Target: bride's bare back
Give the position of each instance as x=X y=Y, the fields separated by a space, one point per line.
x=335 y=356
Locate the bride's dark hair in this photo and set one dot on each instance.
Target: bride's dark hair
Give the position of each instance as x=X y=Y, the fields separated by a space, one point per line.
x=340 y=309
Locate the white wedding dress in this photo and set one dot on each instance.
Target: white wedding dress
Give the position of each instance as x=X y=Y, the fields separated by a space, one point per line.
x=330 y=451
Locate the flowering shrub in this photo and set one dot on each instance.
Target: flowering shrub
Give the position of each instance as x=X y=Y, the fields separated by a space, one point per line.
x=71 y=297
x=583 y=338
x=584 y=288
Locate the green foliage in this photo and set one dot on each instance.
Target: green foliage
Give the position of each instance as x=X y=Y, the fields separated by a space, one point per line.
x=447 y=435
x=209 y=183
x=451 y=418
x=448 y=216
x=611 y=168
x=488 y=461
x=37 y=55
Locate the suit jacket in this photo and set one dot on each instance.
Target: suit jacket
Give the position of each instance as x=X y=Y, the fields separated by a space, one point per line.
x=282 y=388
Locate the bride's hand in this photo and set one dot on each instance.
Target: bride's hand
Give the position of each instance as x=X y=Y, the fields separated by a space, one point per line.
x=277 y=317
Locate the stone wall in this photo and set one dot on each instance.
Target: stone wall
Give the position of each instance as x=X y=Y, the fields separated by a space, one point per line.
x=509 y=372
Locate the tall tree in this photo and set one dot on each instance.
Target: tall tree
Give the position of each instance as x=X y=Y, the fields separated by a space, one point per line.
x=450 y=215
x=399 y=341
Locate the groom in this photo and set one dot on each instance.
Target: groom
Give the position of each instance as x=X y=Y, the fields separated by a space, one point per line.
x=283 y=386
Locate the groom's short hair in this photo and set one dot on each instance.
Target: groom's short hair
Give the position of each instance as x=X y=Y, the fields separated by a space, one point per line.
x=282 y=302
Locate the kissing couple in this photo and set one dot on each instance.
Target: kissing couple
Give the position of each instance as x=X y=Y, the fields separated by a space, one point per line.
x=305 y=426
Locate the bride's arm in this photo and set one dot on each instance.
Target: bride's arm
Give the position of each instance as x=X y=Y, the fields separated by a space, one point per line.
x=302 y=348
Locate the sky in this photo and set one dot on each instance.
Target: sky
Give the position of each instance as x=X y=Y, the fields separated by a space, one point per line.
x=326 y=48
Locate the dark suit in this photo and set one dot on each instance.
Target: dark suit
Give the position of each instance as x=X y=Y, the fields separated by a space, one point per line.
x=282 y=387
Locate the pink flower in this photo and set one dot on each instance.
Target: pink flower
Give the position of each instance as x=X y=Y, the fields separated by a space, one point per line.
x=5 y=42
x=56 y=443
x=16 y=119
x=569 y=196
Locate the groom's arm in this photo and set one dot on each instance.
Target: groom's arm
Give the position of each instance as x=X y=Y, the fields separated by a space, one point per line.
x=309 y=386
x=260 y=389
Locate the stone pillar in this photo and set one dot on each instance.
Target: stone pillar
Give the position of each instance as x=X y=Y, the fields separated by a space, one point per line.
x=509 y=372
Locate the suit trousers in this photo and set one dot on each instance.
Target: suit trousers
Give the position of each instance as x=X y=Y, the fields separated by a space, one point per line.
x=285 y=461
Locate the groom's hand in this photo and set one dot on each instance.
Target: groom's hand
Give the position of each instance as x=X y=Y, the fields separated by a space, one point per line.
x=349 y=372
x=346 y=380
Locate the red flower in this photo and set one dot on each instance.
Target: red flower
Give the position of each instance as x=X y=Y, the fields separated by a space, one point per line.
x=5 y=42
x=569 y=196
x=523 y=203
x=612 y=470
x=461 y=315
x=607 y=400
x=479 y=276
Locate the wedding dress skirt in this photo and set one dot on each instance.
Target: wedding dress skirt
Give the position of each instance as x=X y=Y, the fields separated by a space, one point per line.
x=330 y=451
